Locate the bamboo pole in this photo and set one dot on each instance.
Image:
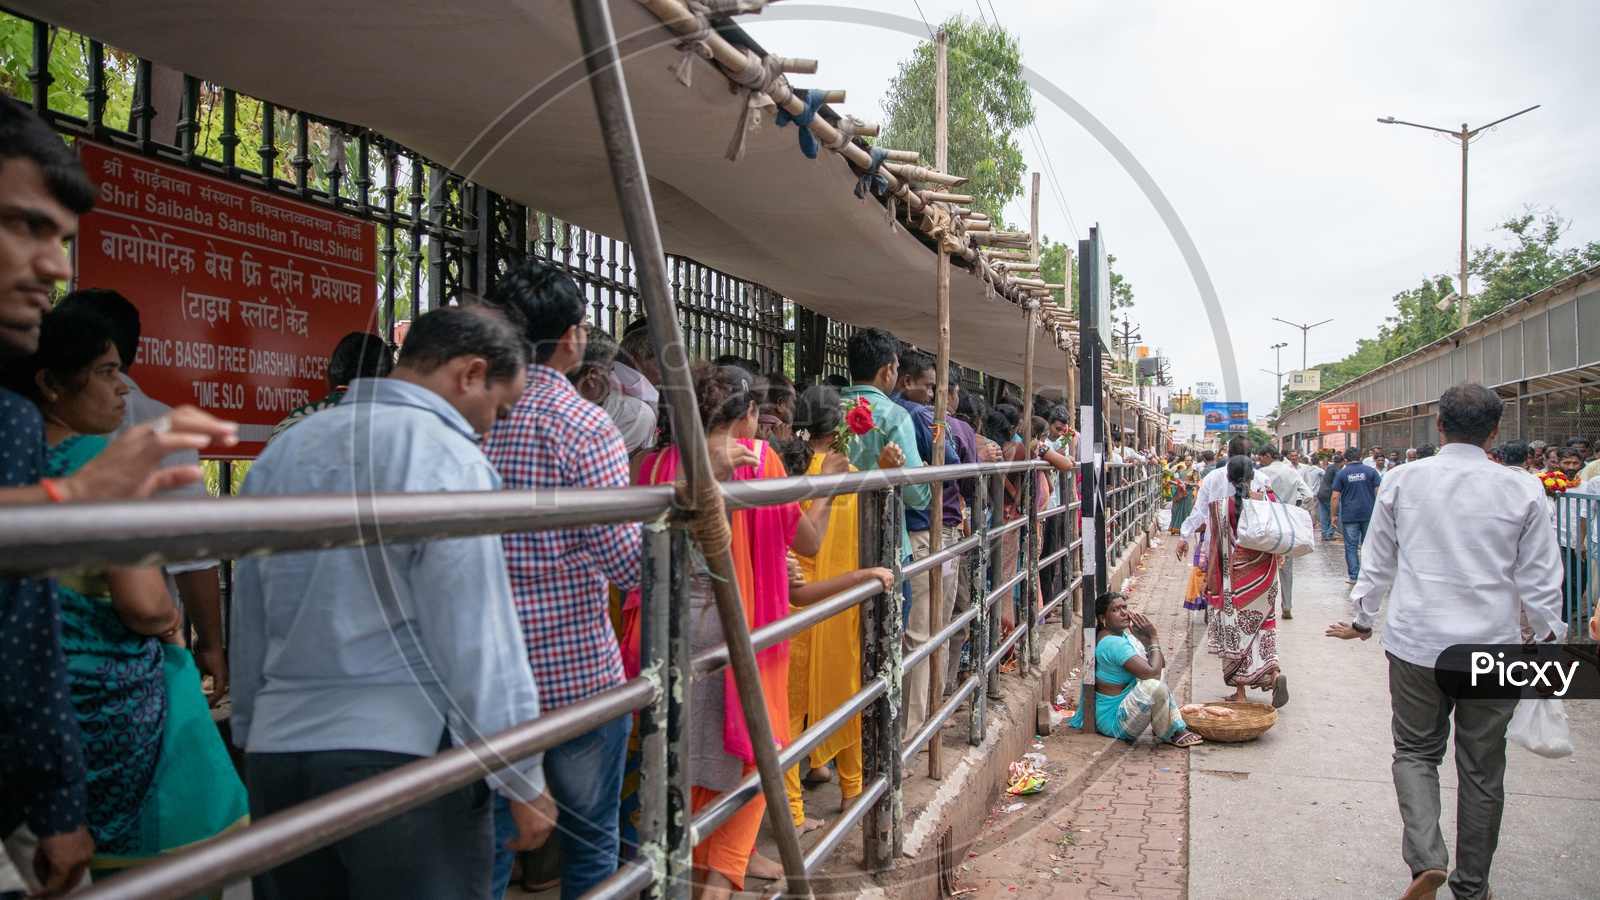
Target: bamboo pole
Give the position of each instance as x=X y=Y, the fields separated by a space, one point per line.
x=677 y=17
x=644 y=235
x=941 y=403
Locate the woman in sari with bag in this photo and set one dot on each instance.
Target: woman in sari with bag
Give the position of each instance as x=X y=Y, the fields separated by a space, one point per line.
x=1242 y=587
x=159 y=777
x=719 y=744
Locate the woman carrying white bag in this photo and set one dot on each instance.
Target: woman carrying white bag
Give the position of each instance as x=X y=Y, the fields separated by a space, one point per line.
x=1242 y=583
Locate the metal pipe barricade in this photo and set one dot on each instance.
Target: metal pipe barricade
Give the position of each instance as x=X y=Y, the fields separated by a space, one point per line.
x=42 y=539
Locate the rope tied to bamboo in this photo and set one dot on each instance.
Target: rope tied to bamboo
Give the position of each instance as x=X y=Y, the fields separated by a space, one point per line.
x=695 y=43
x=707 y=519
x=767 y=89
x=813 y=101
x=847 y=132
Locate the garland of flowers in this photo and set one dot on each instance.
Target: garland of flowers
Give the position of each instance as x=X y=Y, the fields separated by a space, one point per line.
x=1558 y=482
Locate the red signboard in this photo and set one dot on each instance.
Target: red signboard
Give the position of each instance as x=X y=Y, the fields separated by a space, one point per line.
x=242 y=294
x=1338 y=417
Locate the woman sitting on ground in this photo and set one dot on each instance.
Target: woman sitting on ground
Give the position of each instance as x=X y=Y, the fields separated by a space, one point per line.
x=1129 y=693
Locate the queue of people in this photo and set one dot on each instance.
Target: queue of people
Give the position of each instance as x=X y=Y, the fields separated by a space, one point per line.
x=343 y=664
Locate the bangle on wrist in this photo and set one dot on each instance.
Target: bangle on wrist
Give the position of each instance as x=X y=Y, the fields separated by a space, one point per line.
x=52 y=489
x=1359 y=630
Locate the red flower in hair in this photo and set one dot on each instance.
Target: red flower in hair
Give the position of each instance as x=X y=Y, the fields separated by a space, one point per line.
x=859 y=420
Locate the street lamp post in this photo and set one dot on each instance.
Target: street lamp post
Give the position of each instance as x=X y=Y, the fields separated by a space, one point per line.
x=1277 y=420
x=1465 y=136
x=1303 y=330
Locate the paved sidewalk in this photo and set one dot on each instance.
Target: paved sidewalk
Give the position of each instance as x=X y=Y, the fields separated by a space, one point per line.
x=1308 y=810
x=1121 y=828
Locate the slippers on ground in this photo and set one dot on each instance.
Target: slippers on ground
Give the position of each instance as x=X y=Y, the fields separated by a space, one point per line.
x=1186 y=740
x=1280 y=691
x=819 y=775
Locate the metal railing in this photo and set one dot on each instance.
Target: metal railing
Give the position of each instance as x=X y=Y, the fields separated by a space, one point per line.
x=1133 y=494
x=39 y=540
x=1576 y=518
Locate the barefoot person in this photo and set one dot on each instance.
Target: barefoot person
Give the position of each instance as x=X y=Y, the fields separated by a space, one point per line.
x=1454 y=579
x=1243 y=587
x=1129 y=693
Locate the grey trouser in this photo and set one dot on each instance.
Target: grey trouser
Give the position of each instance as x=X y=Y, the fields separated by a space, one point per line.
x=918 y=628
x=1421 y=723
x=957 y=600
x=1286 y=584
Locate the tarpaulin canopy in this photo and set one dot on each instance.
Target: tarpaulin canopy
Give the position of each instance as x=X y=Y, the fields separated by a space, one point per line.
x=495 y=90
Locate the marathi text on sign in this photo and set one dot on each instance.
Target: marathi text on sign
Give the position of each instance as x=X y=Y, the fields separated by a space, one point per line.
x=1338 y=417
x=242 y=295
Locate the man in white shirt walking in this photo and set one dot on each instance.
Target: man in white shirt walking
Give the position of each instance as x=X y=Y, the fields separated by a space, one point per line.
x=1290 y=490
x=1215 y=487
x=1454 y=579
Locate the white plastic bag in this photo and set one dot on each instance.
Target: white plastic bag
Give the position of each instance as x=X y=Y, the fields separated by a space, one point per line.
x=1278 y=528
x=1541 y=726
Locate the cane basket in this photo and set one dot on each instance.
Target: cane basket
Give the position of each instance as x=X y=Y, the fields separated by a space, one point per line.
x=1250 y=720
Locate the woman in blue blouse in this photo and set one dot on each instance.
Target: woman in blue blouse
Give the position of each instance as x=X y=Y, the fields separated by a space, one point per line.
x=1129 y=693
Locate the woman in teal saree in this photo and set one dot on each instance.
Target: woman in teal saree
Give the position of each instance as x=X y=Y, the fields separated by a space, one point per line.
x=159 y=777
x=1130 y=695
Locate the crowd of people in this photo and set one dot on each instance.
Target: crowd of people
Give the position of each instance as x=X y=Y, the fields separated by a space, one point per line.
x=1513 y=575
x=340 y=665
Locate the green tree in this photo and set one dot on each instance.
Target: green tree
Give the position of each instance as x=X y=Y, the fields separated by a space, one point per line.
x=989 y=101
x=1532 y=262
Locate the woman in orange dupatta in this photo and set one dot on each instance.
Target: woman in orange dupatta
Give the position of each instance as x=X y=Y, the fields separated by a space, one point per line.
x=1242 y=585
x=719 y=739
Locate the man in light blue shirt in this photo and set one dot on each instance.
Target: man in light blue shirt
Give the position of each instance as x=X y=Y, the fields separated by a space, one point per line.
x=349 y=663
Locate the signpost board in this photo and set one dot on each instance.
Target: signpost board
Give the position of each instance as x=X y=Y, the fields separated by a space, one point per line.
x=242 y=294
x=1338 y=417
x=1305 y=380
x=1226 y=416
x=1205 y=390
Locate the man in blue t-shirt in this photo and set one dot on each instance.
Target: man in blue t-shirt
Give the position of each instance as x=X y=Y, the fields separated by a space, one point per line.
x=1354 y=490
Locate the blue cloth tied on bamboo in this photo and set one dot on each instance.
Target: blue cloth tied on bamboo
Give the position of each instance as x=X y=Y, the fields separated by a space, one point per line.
x=813 y=101
x=874 y=178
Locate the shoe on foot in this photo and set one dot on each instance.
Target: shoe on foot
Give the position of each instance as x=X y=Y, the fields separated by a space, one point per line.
x=1425 y=886
x=1280 y=691
x=1288 y=614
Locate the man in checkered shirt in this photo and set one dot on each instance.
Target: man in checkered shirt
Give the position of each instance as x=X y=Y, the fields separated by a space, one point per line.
x=556 y=439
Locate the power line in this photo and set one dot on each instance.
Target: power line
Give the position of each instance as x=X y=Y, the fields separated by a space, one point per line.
x=1039 y=147
x=923 y=17
x=1058 y=195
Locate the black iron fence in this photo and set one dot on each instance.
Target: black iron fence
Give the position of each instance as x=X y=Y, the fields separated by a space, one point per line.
x=441 y=237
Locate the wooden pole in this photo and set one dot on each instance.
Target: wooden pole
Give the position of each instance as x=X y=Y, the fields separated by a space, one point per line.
x=1030 y=340
x=632 y=186
x=941 y=403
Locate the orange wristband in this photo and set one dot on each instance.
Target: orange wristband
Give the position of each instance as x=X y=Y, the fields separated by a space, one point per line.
x=52 y=490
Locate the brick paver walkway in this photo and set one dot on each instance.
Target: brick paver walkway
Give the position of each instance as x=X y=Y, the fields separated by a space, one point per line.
x=1119 y=830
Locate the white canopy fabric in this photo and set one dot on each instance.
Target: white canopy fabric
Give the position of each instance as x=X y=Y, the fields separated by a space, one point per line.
x=495 y=90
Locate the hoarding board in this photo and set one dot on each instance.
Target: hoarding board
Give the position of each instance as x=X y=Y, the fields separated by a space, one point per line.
x=1338 y=417
x=1305 y=380
x=1226 y=416
x=242 y=294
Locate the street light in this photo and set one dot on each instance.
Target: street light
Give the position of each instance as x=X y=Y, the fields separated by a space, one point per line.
x=1465 y=136
x=1303 y=330
x=1278 y=419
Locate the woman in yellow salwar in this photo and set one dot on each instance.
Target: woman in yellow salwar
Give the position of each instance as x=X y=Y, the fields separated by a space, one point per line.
x=825 y=659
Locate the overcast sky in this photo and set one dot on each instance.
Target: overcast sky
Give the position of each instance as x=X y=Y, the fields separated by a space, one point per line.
x=1257 y=119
